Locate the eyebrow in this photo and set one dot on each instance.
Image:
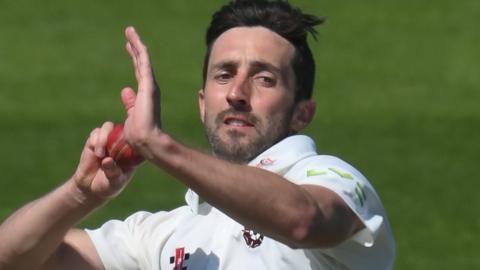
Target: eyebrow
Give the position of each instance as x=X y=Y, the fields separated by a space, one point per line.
x=262 y=65
x=256 y=65
x=228 y=64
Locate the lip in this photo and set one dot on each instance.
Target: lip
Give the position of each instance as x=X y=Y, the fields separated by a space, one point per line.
x=227 y=120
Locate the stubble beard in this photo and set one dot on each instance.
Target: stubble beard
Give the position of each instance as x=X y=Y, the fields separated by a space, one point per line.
x=238 y=147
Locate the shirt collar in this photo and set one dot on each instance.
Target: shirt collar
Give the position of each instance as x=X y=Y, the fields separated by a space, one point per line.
x=283 y=155
x=279 y=158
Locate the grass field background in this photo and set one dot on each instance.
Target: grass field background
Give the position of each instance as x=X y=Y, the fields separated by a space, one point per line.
x=397 y=92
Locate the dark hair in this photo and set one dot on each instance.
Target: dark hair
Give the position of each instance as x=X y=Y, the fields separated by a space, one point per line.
x=280 y=17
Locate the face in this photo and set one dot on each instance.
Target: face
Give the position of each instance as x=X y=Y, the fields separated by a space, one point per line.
x=247 y=104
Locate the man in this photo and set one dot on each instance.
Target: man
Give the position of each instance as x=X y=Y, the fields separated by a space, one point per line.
x=270 y=201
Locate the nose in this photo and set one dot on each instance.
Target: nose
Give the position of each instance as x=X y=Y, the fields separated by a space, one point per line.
x=239 y=94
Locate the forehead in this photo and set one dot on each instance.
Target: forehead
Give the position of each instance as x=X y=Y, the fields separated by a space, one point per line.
x=250 y=44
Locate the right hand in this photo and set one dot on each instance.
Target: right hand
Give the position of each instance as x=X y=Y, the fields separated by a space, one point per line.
x=98 y=177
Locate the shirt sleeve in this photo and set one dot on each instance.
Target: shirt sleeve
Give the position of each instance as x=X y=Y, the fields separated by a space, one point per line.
x=136 y=242
x=351 y=186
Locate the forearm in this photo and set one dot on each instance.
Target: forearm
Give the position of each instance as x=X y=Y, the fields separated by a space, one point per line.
x=31 y=235
x=256 y=198
x=259 y=199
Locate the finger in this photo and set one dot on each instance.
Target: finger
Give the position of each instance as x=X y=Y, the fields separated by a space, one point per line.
x=96 y=143
x=140 y=52
x=93 y=141
x=90 y=141
x=131 y=52
x=132 y=49
x=88 y=160
x=116 y=176
x=128 y=99
x=104 y=131
x=133 y=55
x=134 y=41
x=111 y=169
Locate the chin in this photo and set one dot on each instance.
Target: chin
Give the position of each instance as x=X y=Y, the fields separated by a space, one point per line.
x=235 y=150
x=240 y=147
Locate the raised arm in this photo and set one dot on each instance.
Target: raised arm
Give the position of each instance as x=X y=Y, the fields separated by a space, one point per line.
x=40 y=235
x=301 y=216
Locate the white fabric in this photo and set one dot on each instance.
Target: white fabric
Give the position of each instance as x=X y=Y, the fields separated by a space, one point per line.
x=212 y=241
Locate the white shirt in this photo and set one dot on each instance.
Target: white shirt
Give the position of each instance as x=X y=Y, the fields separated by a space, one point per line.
x=199 y=236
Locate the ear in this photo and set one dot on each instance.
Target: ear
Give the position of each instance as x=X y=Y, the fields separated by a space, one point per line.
x=302 y=115
x=201 y=104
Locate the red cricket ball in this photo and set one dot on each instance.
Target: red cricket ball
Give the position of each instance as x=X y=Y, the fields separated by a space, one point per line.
x=117 y=148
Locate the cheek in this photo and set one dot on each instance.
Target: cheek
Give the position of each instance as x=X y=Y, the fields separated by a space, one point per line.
x=271 y=106
x=214 y=97
x=213 y=104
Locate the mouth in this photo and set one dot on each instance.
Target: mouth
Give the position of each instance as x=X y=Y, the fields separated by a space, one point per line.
x=237 y=121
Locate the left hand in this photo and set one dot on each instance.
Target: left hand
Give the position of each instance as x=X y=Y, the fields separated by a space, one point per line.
x=142 y=106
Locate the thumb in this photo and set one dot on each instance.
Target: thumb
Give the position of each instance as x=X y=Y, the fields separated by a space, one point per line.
x=129 y=97
x=111 y=170
x=117 y=176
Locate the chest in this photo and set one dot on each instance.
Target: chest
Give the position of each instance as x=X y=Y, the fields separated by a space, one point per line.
x=214 y=241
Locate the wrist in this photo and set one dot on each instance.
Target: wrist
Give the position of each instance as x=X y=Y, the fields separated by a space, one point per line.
x=156 y=145
x=77 y=196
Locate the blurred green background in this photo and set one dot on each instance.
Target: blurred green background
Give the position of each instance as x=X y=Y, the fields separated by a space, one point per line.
x=397 y=93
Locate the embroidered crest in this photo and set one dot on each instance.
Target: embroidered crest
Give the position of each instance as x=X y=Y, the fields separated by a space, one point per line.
x=252 y=239
x=265 y=162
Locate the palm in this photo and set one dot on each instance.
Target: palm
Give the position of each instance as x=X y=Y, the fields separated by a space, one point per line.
x=100 y=177
x=143 y=106
x=106 y=188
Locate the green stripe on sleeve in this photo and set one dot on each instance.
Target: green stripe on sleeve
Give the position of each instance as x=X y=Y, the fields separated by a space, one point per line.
x=341 y=173
x=313 y=172
x=359 y=195
x=361 y=189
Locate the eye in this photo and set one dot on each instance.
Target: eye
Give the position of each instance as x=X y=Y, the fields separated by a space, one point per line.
x=223 y=77
x=265 y=80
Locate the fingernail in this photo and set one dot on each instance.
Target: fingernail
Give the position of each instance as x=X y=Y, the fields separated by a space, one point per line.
x=100 y=152
x=110 y=166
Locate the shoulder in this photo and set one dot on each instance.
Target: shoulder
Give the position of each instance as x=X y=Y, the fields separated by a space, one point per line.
x=321 y=166
x=134 y=243
x=143 y=224
x=361 y=197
